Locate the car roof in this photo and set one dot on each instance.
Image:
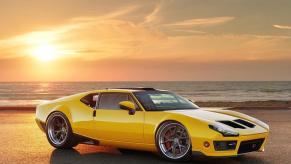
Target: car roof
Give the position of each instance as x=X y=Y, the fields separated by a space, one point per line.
x=127 y=90
x=136 y=88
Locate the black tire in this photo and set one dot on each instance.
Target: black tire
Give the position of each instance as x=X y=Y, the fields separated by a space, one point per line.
x=68 y=140
x=186 y=156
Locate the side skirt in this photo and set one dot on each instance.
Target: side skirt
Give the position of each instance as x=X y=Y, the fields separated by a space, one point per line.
x=85 y=140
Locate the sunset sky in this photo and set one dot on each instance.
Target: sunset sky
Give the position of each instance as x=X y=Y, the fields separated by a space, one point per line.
x=94 y=40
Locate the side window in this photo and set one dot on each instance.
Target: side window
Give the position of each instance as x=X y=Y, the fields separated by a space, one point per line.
x=132 y=100
x=89 y=100
x=111 y=100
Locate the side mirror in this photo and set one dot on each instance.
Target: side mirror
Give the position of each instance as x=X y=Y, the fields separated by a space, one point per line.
x=127 y=105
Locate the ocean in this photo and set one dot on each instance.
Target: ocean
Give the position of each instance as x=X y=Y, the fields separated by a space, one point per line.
x=33 y=93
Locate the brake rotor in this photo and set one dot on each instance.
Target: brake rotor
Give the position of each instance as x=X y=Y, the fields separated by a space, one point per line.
x=168 y=144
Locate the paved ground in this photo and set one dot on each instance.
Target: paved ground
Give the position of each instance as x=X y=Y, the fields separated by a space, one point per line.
x=22 y=142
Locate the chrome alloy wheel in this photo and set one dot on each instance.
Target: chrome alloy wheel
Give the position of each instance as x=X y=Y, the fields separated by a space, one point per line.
x=173 y=140
x=58 y=130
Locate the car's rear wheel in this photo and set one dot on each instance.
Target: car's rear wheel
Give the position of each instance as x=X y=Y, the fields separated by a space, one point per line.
x=59 y=132
x=173 y=141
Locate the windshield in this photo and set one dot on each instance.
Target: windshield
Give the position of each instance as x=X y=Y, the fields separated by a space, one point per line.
x=163 y=100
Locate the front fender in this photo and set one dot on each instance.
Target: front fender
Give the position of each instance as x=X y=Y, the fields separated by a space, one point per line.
x=197 y=129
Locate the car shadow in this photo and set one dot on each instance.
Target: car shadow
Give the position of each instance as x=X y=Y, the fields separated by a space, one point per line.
x=133 y=157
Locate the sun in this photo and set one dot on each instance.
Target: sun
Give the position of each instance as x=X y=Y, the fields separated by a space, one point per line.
x=45 y=52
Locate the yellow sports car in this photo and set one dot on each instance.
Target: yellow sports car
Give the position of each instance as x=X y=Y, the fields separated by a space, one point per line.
x=149 y=119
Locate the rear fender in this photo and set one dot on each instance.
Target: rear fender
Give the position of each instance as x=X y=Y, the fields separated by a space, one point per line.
x=65 y=110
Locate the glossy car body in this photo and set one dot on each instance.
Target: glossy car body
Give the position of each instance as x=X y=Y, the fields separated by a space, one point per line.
x=137 y=131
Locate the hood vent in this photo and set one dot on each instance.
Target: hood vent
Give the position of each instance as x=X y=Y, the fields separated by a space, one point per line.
x=245 y=123
x=232 y=124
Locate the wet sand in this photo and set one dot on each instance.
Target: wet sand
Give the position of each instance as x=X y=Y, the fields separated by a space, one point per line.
x=23 y=142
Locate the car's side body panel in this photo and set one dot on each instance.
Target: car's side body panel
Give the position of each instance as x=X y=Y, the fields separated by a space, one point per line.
x=118 y=125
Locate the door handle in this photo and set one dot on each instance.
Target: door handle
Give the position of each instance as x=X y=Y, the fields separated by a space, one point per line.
x=94 y=113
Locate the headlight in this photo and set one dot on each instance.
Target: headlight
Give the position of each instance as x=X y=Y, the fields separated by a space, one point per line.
x=225 y=131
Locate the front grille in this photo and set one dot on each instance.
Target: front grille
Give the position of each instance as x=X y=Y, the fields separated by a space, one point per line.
x=232 y=124
x=251 y=145
x=245 y=123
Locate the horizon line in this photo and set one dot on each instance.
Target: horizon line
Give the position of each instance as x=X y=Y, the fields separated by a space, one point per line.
x=89 y=81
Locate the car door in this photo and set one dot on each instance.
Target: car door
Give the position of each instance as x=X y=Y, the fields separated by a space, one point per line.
x=82 y=115
x=115 y=124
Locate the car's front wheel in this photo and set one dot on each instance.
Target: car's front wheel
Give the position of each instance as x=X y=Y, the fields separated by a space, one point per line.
x=173 y=141
x=59 y=132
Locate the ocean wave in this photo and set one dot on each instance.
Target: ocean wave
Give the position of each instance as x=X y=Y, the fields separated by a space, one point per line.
x=35 y=92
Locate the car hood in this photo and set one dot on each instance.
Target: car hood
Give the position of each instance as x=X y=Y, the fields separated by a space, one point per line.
x=216 y=116
x=204 y=114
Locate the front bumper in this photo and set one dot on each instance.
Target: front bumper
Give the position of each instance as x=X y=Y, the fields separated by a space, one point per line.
x=244 y=144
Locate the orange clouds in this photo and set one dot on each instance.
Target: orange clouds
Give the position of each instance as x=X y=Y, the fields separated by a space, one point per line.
x=106 y=37
x=284 y=27
x=203 y=21
x=117 y=39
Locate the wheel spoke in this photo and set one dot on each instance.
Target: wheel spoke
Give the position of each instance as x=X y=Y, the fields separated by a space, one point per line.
x=57 y=137
x=180 y=148
x=174 y=131
x=174 y=150
x=62 y=136
x=57 y=132
x=168 y=150
x=182 y=138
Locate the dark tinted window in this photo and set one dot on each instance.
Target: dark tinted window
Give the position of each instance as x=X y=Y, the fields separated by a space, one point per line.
x=112 y=100
x=163 y=100
x=88 y=100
